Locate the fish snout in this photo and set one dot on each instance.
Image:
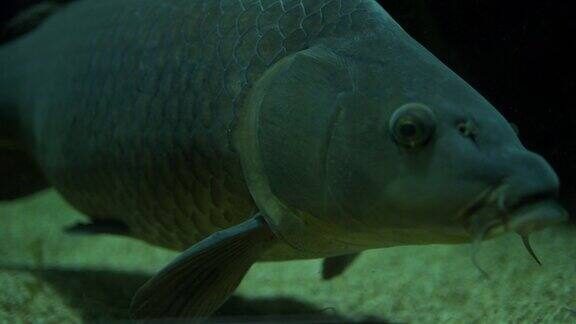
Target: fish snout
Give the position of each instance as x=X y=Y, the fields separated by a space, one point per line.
x=530 y=201
x=525 y=202
x=531 y=179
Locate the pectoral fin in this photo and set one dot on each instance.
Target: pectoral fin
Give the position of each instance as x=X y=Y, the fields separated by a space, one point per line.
x=335 y=266
x=200 y=280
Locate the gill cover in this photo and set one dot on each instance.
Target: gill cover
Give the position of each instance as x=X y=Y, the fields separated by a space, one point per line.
x=283 y=137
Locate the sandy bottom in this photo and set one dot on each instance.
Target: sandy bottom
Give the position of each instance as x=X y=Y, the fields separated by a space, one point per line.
x=51 y=277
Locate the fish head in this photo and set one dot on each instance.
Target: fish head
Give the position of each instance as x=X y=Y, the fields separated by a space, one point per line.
x=374 y=142
x=421 y=157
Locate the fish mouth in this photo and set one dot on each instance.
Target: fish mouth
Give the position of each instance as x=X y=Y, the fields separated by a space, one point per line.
x=535 y=216
x=491 y=215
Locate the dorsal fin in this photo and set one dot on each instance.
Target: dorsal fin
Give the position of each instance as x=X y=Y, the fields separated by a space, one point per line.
x=30 y=18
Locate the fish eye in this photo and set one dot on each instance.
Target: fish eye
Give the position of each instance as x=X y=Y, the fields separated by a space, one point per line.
x=413 y=125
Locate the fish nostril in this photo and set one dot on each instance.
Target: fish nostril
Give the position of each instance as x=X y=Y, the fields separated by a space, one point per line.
x=468 y=129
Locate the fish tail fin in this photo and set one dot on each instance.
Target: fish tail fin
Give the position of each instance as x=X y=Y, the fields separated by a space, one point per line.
x=20 y=175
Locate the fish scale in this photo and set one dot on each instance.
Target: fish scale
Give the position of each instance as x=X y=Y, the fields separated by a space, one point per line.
x=155 y=152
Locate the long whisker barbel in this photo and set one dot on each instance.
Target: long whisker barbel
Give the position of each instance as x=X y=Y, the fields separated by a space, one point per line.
x=478 y=241
x=526 y=241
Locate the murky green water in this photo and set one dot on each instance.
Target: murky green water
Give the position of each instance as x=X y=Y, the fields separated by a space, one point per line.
x=49 y=276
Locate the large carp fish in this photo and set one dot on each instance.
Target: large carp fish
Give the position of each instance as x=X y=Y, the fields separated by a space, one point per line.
x=239 y=131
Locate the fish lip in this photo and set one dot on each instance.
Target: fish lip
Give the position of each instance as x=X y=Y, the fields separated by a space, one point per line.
x=471 y=215
x=477 y=204
x=527 y=218
x=522 y=216
x=531 y=200
x=535 y=215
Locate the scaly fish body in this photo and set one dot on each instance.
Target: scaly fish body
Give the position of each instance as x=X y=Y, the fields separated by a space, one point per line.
x=129 y=105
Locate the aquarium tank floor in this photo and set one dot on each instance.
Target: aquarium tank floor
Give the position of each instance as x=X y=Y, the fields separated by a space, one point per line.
x=47 y=276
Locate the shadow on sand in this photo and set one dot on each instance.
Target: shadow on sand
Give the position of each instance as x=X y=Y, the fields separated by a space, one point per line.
x=104 y=295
